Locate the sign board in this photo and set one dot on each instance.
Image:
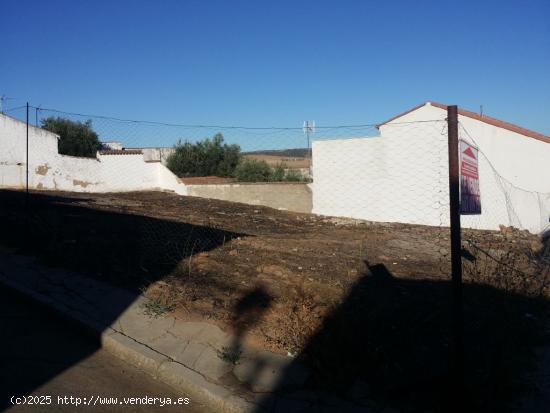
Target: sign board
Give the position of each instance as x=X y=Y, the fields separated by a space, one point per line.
x=470 y=197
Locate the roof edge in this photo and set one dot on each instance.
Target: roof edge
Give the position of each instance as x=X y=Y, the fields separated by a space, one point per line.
x=30 y=125
x=120 y=152
x=482 y=118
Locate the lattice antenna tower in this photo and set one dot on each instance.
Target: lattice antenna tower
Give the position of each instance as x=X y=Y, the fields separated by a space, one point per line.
x=3 y=98
x=309 y=128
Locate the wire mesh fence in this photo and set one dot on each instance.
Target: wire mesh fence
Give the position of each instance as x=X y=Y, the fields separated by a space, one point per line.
x=514 y=258
x=195 y=217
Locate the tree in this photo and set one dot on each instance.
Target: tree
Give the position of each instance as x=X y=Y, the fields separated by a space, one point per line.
x=204 y=158
x=75 y=138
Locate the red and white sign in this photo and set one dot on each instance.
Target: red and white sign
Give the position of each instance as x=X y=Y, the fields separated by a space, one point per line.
x=470 y=197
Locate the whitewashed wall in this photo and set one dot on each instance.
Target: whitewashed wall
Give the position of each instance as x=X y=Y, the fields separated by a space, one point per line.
x=288 y=196
x=402 y=175
x=50 y=170
x=156 y=154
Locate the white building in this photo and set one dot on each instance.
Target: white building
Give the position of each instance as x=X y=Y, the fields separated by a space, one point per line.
x=113 y=170
x=402 y=175
x=156 y=154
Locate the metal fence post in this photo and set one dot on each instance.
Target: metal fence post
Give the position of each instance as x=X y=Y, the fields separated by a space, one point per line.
x=457 y=362
x=27 y=156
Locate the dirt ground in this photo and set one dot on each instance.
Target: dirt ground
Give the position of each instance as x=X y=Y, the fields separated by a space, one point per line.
x=292 y=283
x=306 y=263
x=300 y=260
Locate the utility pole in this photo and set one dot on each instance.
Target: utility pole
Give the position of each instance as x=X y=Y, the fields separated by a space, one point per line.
x=27 y=210
x=27 y=157
x=457 y=355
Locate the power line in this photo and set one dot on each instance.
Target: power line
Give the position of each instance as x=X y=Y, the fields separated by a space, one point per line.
x=3 y=99
x=15 y=108
x=165 y=123
x=367 y=125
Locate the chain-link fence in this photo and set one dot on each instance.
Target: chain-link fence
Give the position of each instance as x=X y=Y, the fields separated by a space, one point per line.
x=348 y=236
x=514 y=258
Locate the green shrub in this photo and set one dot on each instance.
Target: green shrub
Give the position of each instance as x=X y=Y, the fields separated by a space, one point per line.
x=253 y=170
x=295 y=176
x=278 y=173
x=204 y=158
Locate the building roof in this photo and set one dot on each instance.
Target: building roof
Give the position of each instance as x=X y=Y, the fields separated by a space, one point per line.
x=121 y=152
x=482 y=118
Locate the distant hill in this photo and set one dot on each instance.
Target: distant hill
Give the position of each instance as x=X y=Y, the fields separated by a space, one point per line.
x=290 y=153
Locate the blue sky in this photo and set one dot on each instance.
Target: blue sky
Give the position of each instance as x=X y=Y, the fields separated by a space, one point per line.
x=278 y=63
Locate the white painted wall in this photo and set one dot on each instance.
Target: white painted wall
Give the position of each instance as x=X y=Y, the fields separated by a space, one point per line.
x=50 y=170
x=288 y=196
x=402 y=175
x=156 y=154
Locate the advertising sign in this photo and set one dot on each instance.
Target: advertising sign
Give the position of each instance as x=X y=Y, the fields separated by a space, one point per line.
x=470 y=197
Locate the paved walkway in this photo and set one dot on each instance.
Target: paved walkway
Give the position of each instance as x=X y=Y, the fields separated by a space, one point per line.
x=44 y=355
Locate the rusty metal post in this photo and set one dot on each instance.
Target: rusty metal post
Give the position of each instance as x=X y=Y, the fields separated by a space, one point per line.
x=457 y=362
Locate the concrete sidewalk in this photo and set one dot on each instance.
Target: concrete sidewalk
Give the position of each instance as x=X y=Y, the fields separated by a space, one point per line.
x=195 y=357
x=44 y=355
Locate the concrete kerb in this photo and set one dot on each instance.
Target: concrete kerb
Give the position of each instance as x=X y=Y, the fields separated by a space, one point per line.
x=173 y=373
x=159 y=366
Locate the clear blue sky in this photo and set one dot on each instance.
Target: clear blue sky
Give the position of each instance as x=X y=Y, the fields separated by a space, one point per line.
x=278 y=63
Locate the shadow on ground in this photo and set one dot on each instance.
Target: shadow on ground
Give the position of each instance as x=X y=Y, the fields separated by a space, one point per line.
x=387 y=346
x=127 y=250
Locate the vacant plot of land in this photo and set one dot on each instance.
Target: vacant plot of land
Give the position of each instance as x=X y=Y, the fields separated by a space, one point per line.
x=359 y=300
x=205 y=254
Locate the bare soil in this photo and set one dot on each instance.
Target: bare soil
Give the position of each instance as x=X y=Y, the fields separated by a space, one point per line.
x=306 y=263
x=209 y=259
